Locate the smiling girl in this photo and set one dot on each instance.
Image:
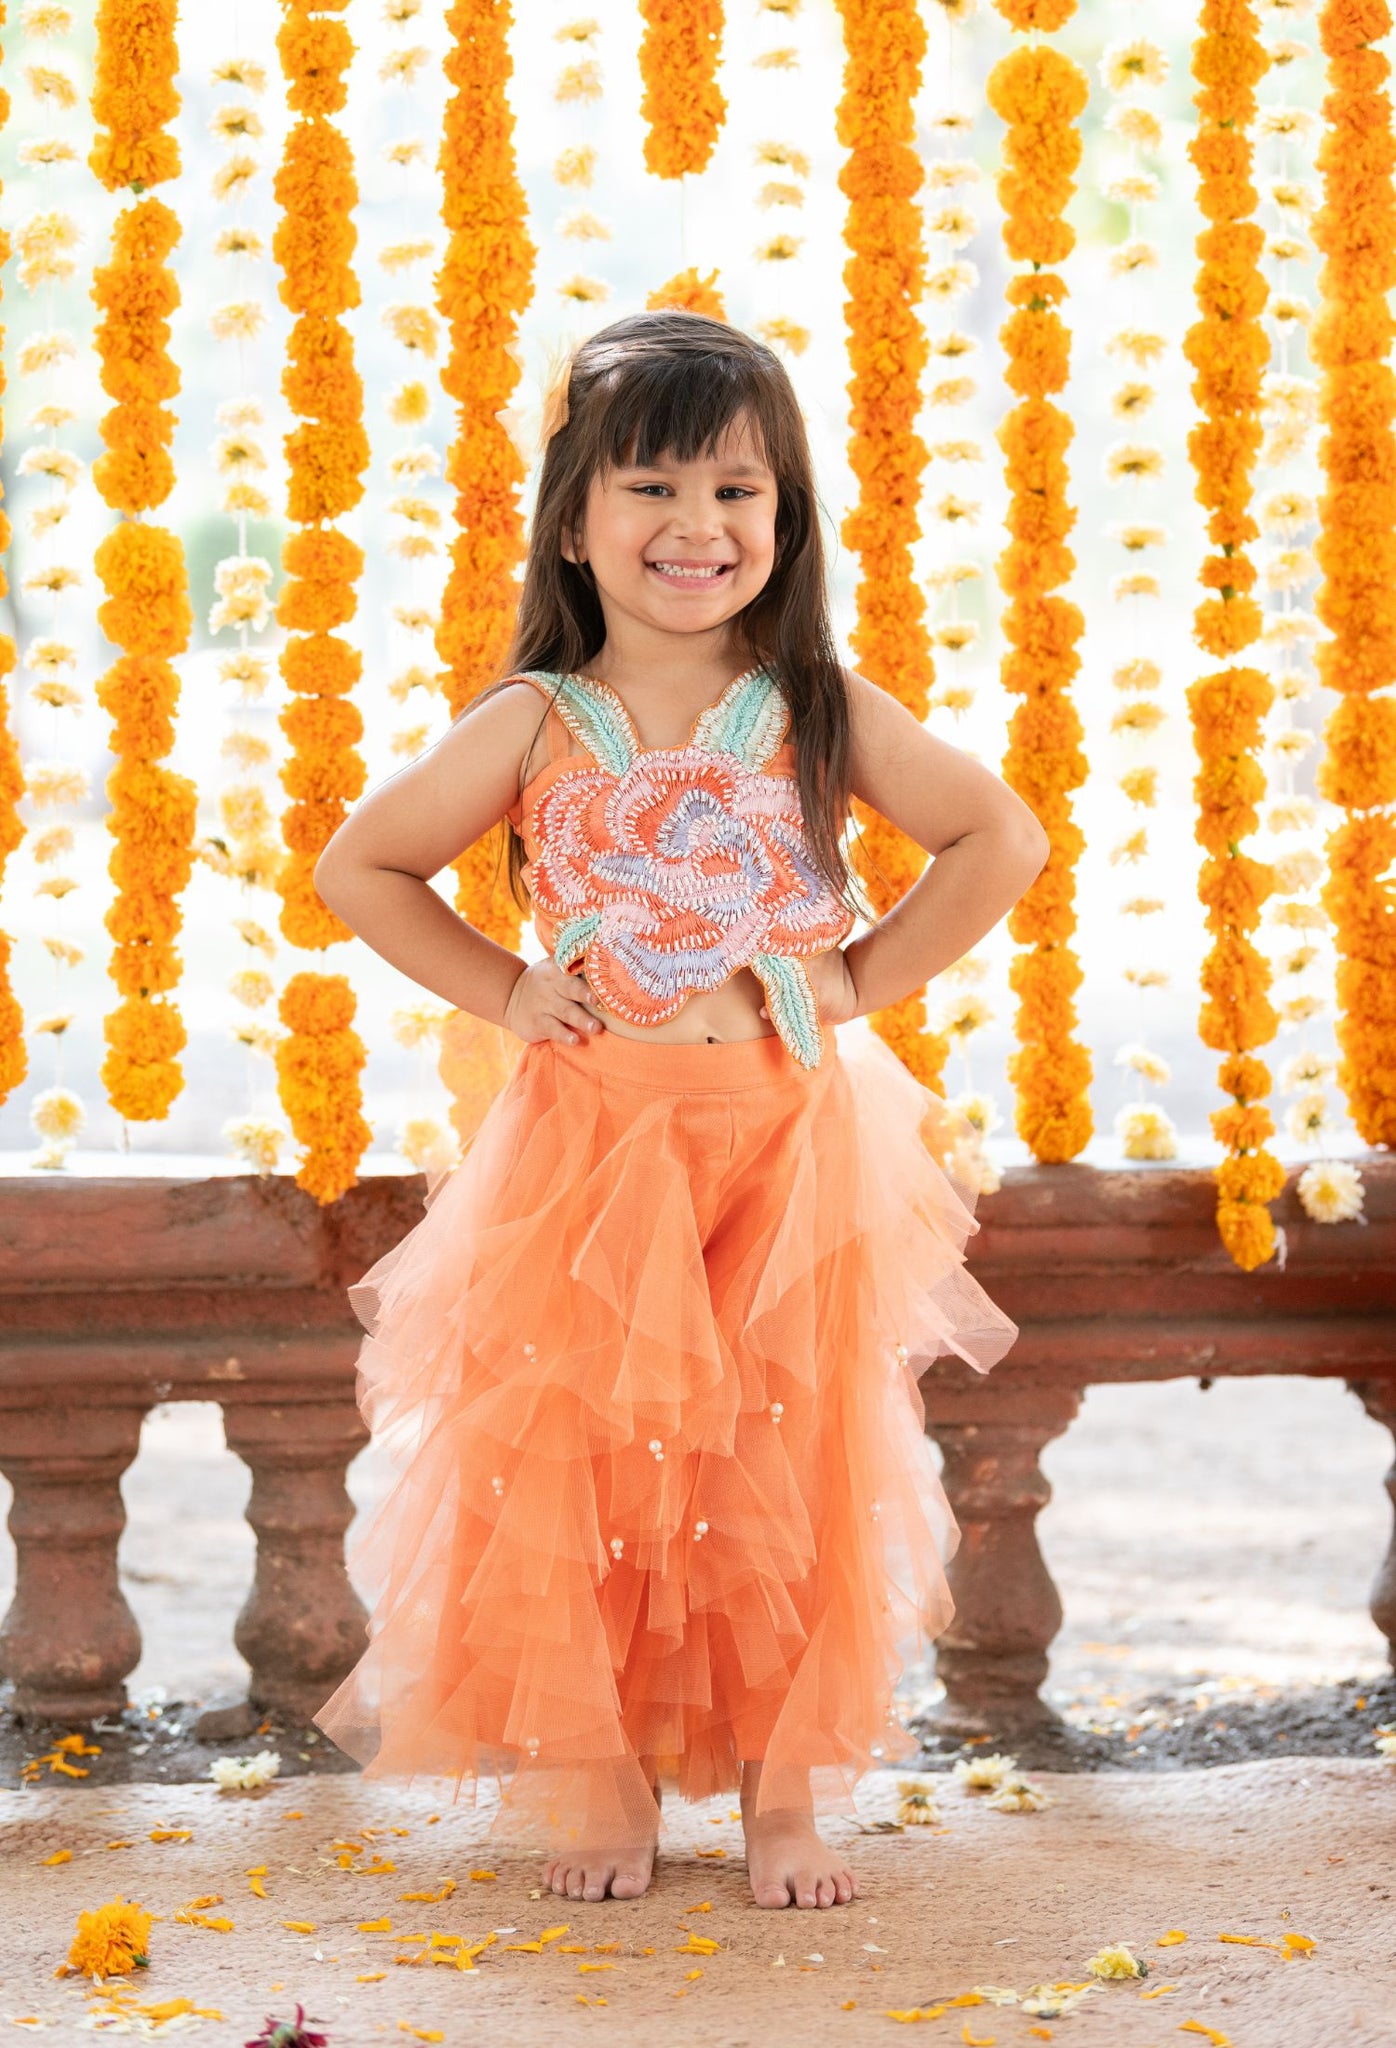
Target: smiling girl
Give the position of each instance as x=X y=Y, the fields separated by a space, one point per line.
x=665 y=1511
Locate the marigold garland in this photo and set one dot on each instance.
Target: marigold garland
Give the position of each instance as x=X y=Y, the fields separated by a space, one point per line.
x=1039 y=94
x=884 y=44
x=327 y=454
x=682 y=105
x=485 y=282
x=1350 y=342
x=1229 y=349
x=14 y=1061
x=147 y=611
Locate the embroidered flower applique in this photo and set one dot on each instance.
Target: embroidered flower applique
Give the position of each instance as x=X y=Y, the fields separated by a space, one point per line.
x=665 y=870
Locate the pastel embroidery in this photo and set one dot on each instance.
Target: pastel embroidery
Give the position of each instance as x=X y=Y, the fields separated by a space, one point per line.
x=665 y=870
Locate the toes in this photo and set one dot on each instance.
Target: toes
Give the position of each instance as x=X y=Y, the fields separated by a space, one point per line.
x=771 y=1894
x=843 y=1887
x=824 y=1892
x=596 y=1882
x=576 y=1884
x=628 y=1885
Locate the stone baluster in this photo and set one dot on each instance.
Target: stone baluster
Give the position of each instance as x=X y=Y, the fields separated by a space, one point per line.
x=1378 y=1397
x=993 y=1656
x=69 y=1638
x=302 y=1625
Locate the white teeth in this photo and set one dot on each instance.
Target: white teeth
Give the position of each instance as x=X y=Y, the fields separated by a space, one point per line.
x=677 y=569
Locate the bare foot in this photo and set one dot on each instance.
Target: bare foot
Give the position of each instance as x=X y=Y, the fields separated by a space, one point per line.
x=786 y=1860
x=623 y=1872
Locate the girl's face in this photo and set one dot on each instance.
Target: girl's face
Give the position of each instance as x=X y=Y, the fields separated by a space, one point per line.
x=682 y=547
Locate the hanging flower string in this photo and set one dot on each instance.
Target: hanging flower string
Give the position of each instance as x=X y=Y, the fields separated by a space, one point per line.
x=1039 y=94
x=1228 y=349
x=14 y=1061
x=949 y=283
x=1287 y=565
x=681 y=102
x=1351 y=344
x=485 y=281
x=319 y=1061
x=884 y=276
x=581 y=83
x=47 y=241
x=1144 y=1127
x=244 y=847
x=147 y=612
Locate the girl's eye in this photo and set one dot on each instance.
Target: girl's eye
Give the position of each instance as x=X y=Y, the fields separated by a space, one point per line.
x=724 y=487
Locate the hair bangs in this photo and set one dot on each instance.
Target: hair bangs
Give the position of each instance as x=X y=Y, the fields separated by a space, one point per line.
x=679 y=407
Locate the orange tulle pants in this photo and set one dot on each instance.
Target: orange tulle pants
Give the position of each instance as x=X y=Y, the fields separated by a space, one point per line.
x=663 y=1498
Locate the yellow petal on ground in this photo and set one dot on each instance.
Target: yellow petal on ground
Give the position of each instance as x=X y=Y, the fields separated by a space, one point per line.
x=300 y=1926
x=1158 y=1990
x=399 y=1831
x=59 y=1856
x=1042 y=2033
x=572 y=1948
x=384 y=1867
x=484 y=1877
x=1171 y=1939
x=294 y=1814
x=710 y=1852
x=255 y=1870
x=582 y=1967
x=524 y=1948
x=976 y=2040
x=698 y=1945
x=1247 y=1940
x=420 y=2033
x=171 y=1834
x=218 y=1926
x=203 y=1902
x=256 y=1887
x=383 y=1926
x=554 y=1933
x=606 y=1948
x=371 y=1977
x=68 y=1770
x=1214 y=2034
x=118 y=1845
x=1298 y=1944
x=705 y=1906
x=848 y=2005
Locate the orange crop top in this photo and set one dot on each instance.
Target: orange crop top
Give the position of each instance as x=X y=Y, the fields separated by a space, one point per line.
x=660 y=871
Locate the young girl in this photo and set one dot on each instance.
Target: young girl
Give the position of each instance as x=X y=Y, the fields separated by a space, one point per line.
x=665 y=1512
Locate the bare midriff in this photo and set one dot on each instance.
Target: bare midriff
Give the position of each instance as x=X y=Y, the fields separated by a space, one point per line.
x=709 y=1017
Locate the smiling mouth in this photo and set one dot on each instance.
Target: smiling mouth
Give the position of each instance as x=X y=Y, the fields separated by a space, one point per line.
x=698 y=575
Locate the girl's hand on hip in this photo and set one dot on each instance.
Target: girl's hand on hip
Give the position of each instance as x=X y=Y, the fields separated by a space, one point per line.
x=835 y=997
x=545 y=1003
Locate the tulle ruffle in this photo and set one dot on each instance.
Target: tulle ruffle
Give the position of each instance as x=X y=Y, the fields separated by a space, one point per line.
x=646 y=1374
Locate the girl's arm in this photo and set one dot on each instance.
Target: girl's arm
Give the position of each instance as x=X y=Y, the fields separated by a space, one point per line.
x=986 y=843
x=375 y=871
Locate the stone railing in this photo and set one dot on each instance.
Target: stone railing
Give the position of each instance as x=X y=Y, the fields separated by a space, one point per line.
x=117 y=1295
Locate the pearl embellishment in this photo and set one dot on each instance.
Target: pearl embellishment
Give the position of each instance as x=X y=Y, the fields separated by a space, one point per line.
x=497 y=1483
x=617 y=1545
x=777 y=1410
x=658 y=1449
x=700 y=1530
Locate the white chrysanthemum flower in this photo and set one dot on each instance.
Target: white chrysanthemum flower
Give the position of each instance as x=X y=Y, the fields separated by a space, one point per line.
x=1308 y=1119
x=1146 y=1132
x=1305 y=1070
x=1296 y=871
x=1129 y=459
x=1019 y=1795
x=979 y=1110
x=1123 y=66
x=237 y=320
x=245 y=1774
x=1293 y=814
x=1146 y=977
x=965 y=1014
x=255 y=1140
x=57 y=1114
x=429 y=1146
x=1150 y=1066
x=984 y=1773
x=1331 y=1191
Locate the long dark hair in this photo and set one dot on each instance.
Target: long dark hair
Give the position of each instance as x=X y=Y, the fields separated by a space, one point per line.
x=671 y=382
